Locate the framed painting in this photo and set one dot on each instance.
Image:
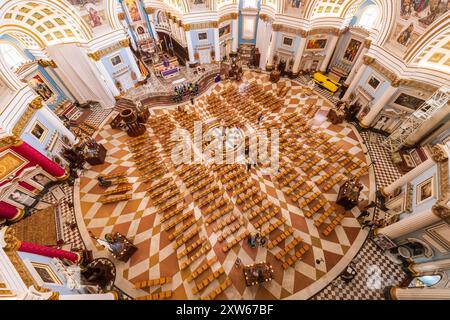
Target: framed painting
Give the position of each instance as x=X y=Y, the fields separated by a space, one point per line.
x=352 y=50
x=287 y=41
x=425 y=190
x=373 y=82
x=46 y=273
x=116 y=60
x=408 y=101
x=202 y=36
x=39 y=131
x=316 y=44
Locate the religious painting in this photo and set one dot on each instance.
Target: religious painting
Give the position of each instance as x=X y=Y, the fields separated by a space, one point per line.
x=41 y=88
x=424 y=11
x=94 y=17
x=373 y=82
x=39 y=131
x=316 y=44
x=405 y=37
x=424 y=190
x=202 y=36
x=10 y=163
x=41 y=179
x=46 y=273
x=133 y=9
x=352 y=50
x=408 y=101
x=225 y=30
x=21 y=197
x=288 y=41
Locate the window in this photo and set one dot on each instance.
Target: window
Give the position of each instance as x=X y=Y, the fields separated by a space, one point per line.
x=368 y=17
x=425 y=281
x=11 y=55
x=249 y=4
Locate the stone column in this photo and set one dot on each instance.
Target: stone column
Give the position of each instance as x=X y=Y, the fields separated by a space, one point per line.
x=189 y=44
x=359 y=62
x=271 y=50
x=235 y=32
x=10 y=213
x=299 y=55
x=264 y=40
x=216 y=45
x=378 y=105
x=366 y=61
x=419 y=294
x=410 y=224
x=429 y=267
x=108 y=80
x=329 y=52
x=404 y=179
x=49 y=252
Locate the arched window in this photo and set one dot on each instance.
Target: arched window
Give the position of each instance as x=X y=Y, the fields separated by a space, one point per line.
x=249 y=4
x=368 y=17
x=425 y=281
x=11 y=55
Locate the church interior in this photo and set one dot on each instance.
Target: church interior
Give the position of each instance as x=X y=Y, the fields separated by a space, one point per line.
x=224 y=150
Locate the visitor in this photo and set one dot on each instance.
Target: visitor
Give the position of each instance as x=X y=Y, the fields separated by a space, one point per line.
x=192 y=101
x=363 y=214
x=371 y=205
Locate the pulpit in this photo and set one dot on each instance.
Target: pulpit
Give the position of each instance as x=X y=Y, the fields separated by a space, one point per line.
x=275 y=76
x=133 y=127
x=348 y=195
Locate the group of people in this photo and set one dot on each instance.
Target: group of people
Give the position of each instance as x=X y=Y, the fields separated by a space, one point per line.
x=255 y=240
x=190 y=90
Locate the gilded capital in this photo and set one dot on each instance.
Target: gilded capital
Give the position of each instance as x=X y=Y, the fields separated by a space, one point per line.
x=438 y=153
x=367 y=43
x=94 y=56
x=124 y=43
x=367 y=60
x=36 y=103
x=121 y=16
x=149 y=10
x=235 y=15
x=276 y=27
x=8 y=141
x=47 y=63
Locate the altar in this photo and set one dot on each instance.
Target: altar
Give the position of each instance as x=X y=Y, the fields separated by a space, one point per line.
x=167 y=68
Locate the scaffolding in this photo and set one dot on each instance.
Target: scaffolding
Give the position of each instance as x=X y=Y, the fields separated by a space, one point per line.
x=426 y=111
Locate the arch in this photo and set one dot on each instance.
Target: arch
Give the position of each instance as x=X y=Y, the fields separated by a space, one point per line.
x=112 y=16
x=66 y=13
x=434 y=31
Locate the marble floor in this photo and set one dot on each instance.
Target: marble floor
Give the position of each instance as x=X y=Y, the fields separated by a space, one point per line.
x=139 y=219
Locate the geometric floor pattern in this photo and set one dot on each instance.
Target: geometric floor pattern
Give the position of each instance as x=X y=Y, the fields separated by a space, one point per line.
x=386 y=171
x=139 y=220
x=374 y=273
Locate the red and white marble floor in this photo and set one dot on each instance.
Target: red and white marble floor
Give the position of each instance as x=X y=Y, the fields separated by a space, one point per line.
x=139 y=220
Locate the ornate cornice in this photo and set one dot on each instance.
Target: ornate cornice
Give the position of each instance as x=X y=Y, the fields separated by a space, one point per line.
x=230 y=16
x=97 y=55
x=367 y=43
x=333 y=31
x=297 y=31
x=47 y=63
x=205 y=25
x=395 y=80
